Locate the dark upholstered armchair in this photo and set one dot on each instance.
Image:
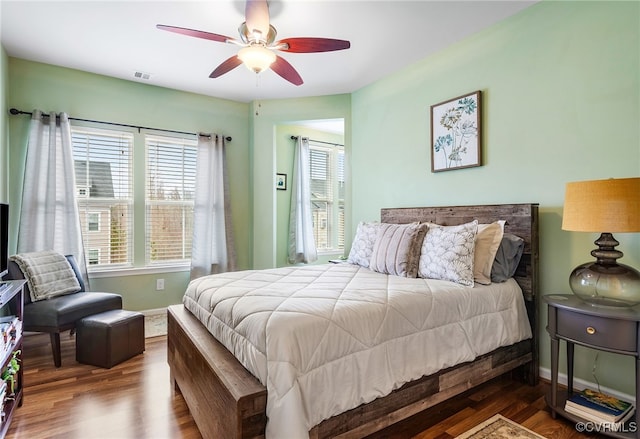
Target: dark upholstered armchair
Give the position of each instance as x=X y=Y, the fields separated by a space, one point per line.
x=61 y=313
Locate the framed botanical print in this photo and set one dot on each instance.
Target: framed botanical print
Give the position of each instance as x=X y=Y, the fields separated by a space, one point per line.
x=455 y=133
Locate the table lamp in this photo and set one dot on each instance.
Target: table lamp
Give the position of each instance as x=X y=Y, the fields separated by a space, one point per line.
x=604 y=206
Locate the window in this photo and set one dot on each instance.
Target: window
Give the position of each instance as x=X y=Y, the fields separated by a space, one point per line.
x=93 y=222
x=171 y=175
x=104 y=184
x=93 y=256
x=103 y=163
x=327 y=195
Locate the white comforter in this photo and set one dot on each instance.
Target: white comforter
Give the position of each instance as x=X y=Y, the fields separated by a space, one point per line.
x=324 y=339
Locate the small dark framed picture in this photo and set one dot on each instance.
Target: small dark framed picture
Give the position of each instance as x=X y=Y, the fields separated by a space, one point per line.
x=281 y=182
x=456 y=133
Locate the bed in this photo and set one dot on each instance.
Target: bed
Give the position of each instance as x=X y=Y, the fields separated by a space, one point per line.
x=226 y=400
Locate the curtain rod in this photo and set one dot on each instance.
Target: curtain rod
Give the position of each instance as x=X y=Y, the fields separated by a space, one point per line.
x=15 y=112
x=318 y=141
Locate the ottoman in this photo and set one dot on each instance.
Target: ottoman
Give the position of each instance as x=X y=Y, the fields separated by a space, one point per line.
x=109 y=338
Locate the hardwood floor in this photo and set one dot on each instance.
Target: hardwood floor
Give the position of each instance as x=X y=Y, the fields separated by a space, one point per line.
x=134 y=400
x=512 y=399
x=130 y=400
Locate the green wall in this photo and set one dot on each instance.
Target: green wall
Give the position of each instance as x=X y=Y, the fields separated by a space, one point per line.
x=90 y=96
x=285 y=147
x=266 y=116
x=560 y=102
x=4 y=129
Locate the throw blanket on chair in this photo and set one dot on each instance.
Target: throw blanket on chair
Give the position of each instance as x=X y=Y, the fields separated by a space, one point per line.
x=48 y=274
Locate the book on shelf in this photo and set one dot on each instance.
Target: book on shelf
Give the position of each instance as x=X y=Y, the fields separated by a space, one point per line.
x=613 y=426
x=10 y=327
x=8 y=319
x=3 y=394
x=605 y=407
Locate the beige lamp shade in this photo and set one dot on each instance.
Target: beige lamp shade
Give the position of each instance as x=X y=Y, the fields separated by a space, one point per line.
x=611 y=205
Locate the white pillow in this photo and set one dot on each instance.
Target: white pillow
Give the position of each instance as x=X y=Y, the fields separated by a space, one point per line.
x=487 y=242
x=362 y=247
x=447 y=253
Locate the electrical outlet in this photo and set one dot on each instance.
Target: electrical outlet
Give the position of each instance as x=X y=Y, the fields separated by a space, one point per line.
x=159 y=284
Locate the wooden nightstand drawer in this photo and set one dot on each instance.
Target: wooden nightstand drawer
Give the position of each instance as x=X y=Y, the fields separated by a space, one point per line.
x=598 y=331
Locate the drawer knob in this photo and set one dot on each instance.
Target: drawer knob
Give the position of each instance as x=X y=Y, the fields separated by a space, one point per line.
x=591 y=330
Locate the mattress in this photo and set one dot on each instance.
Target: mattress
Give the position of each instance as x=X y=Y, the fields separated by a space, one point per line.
x=324 y=339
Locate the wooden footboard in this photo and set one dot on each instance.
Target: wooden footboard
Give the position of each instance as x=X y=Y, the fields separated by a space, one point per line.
x=225 y=400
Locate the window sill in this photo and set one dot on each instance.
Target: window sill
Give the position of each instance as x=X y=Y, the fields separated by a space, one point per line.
x=135 y=271
x=331 y=253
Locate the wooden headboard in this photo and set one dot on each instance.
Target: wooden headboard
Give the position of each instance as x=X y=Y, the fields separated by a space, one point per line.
x=521 y=220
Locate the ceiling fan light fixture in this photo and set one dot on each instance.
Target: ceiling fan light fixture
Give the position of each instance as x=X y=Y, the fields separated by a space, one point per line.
x=256 y=58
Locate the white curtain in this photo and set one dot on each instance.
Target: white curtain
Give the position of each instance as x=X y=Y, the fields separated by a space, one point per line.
x=302 y=246
x=49 y=218
x=212 y=250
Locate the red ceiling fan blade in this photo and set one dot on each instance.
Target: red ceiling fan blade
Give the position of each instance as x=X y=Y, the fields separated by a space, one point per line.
x=282 y=67
x=312 y=45
x=226 y=66
x=195 y=33
x=256 y=14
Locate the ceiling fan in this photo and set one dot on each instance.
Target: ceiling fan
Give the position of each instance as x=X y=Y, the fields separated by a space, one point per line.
x=258 y=42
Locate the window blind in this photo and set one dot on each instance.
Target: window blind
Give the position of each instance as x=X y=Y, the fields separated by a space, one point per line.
x=327 y=195
x=104 y=189
x=171 y=173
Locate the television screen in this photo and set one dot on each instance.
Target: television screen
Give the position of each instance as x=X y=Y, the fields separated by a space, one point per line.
x=4 y=238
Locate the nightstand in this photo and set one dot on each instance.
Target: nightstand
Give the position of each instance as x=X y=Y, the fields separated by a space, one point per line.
x=606 y=329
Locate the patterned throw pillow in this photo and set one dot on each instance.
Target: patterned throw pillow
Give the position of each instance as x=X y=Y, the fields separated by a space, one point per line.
x=397 y=249
x=365 y=239
x=447 y=253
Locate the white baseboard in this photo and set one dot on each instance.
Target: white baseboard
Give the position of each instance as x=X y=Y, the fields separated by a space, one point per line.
x=580 y=384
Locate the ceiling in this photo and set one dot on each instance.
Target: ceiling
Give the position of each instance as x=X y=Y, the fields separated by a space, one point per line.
x=119 y=38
